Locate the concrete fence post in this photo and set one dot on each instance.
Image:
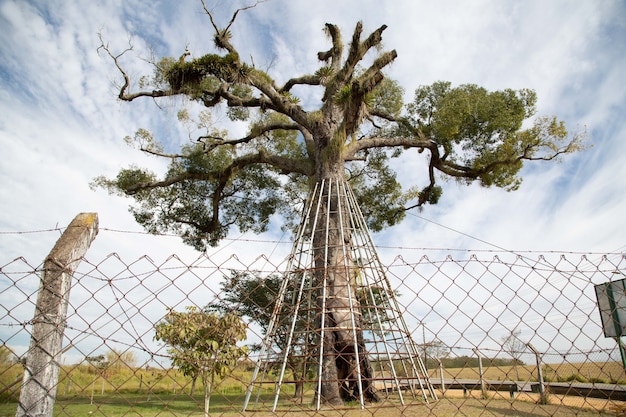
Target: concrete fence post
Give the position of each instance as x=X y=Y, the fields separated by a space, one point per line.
x=41 y=372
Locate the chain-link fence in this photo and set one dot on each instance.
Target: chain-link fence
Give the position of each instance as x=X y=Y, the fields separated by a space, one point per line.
x=498 y=333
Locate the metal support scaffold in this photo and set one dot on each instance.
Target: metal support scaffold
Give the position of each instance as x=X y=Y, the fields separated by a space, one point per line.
x=337 y=325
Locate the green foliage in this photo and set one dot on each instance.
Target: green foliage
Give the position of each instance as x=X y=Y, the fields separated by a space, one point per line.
x=6 y=355
x=482 y=130
x=387 y=97
x=239 y=113
x=201 y=341
x=255 y=297
x=248 y=196
x=188 y=76
x=324 y=73
x=470 y=133
x=203 y=344
x=125 y=182
x=343 y=95
x=249 y=296
x=144 y=140
x=281 y=142
x=379 y=194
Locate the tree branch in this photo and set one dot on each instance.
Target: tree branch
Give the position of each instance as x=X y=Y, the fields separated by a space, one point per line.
x=336 y=51
x=287 y=165
x=256 y=132
x=306 y=79
x=221 y=37
x=123 y=93
x=420 y=142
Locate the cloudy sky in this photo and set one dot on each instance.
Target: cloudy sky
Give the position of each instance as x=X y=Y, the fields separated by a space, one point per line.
x=61 y=124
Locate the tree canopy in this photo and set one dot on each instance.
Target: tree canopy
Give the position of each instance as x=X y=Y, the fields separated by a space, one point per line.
x=361 y=123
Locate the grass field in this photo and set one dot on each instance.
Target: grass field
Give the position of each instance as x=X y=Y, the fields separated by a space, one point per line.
x=157 y=392
x=170 y=405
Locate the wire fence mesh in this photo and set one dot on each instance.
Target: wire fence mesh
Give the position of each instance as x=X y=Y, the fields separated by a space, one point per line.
x=483 y=323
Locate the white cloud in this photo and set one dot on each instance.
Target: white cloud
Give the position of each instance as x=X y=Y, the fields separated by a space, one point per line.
x=61 y=124
x=64 y=116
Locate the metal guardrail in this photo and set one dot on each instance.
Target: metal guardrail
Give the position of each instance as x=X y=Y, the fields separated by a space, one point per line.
x=587 y=390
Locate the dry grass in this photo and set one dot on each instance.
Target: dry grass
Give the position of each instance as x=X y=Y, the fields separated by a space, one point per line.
x=609 y=372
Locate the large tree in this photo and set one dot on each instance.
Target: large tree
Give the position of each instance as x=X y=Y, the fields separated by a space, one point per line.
x=215 y=182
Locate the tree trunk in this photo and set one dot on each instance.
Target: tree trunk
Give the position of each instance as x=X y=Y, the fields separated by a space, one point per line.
x=299 y=392
x=343 y=346
x=207 y=383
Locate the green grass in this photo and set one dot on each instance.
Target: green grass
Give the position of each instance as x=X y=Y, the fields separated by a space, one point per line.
x=229 y=405
x=144 y=405
x=159 y=392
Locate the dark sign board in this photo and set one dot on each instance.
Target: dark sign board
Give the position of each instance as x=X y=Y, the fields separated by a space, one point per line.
x=612 y=305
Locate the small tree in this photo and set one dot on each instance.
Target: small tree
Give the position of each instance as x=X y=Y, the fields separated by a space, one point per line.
x=436 y=349
x=203 y=344
x=514 y=346
x=102 y=369
x=100 y=363
x=118 y=359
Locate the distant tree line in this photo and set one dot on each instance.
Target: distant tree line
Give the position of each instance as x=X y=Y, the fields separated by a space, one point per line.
x=471 y=362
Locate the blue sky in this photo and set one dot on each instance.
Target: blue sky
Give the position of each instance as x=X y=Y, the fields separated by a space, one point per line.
x=61 y=124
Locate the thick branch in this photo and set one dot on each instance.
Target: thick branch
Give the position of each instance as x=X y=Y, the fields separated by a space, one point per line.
x=387 y=142
x=336 y=51
x=284 y=164
x=257 y=131
x=279 y=102
x=359 y=49
x=380 y=62
x=306 y=79
x=355 y=56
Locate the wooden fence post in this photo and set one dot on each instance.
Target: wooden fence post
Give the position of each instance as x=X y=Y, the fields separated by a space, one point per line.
x=41 y=372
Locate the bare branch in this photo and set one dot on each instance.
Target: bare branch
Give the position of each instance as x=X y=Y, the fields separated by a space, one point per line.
x=161 y=154
x=123 y=93
x=206 y=10
x=221 y=36
x=242 y=9
x=105 y=47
